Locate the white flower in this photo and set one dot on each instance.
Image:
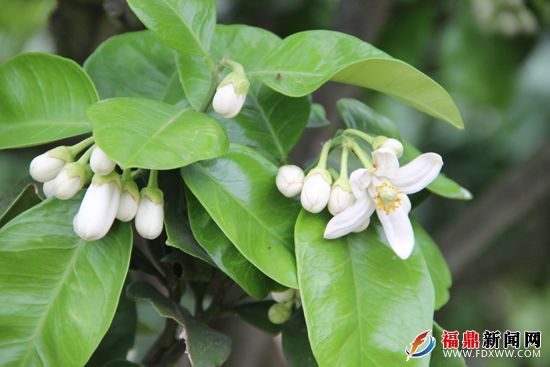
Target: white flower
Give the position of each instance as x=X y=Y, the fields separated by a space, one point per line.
x=100 y=163
x=46 y=166
x=394 y=145
x=341 y=197
x=49 y=188
x=316 y=190
x=290 y=180
x=128 y=206
x=150 y=213
x=227 y=102
x=98 y=208
x=385 y=189
x=285 y=296
x=69 y=181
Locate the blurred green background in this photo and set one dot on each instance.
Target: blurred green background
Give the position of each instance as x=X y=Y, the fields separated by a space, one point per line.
x=493 y=56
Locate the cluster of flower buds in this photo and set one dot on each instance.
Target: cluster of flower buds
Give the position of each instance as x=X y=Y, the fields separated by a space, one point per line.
x=231 y=92
x=381 y=186
x=281 y=311
x=108 y=197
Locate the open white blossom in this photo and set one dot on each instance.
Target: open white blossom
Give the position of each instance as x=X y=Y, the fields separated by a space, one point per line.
x=384 y=189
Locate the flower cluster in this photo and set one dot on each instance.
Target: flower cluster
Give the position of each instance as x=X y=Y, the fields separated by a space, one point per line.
x=281 y=311
x=109 y=196
x=381 y=186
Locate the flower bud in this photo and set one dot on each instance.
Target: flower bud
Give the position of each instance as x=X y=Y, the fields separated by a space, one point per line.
x=47 y=165
x=129 y=200
x=150 y=213
x=227 y=102
x=98 y=208
x=290 y=180
x=69 y=181
x=394 y=145
x=285 y=296
x=279 y=313
x=316 y=190
x=341 y=196
x=49 y=188
x=100 y=163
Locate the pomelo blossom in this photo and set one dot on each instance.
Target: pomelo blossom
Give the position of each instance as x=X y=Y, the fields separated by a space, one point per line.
x=47 y=166
x=316 y=190
x=100 y=163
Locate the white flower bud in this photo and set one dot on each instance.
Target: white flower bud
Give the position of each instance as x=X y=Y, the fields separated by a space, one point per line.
x=100 y=163
x=290 y=180
x=285 y=296
x=279 y=313
x=341 y=197
x=227 y=102
x=98 y=209
x=150 y=213
x=49 y=188
x=128 y=207
x=69 y=181
x=394 y=145
x=46 y=166
x=316 y=190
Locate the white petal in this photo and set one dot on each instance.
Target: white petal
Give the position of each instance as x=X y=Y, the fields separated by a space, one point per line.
x=398 y=228
x=385 y=162
x=97 y=211
x=417 y=174
x=350 y=219
x=340 y=199
x=127 y=208
x=65 y=186
x=44 y=168
x=290 y=180
x=394 y=145
x=149 y=218
x=100 y=163
x=315 y=193
x=360 y=180
x=227 y=102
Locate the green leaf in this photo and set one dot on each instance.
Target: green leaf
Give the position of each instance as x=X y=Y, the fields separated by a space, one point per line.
x=120 y=336
x=205 y=347
x=357 y=115
x=62 y=292
x=306 y=60
x=186 y=25
x=255 y=313
x=119 y=65
x=43 y=98
x=270 y=122
x=224 y=253
x=296 y=343
x=238 y=191
x=439 y=271
x=362 y=304
x=317 y=117
x=16 y=201
x=437 y=358
x=161 y=136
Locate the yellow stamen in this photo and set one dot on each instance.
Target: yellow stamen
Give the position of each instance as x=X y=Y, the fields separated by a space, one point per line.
x=388 y=197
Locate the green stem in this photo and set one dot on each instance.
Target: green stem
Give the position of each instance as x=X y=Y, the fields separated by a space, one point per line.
x=354 y=132
x=153 y=179
x=86 y=156
x=344 y=162
x=323 y=157
x=235 y=66
x=361 y=154
x=78 y=147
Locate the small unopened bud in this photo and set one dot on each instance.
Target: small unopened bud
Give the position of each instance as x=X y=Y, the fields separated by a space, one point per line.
x=290 y=180
x=285 y=296
x=316 y=190
x=279 y=313
x=227 y=102
x=394 y=145
x=129 y=201
x=150 y=213
x=341 y=196
x=98 y=208
x=48 y=165
x=49 y=188
x=100 y=163
x=69 y=181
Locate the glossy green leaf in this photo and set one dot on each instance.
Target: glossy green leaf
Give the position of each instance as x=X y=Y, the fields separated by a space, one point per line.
x=437 y=358
x=270 y=122
x=198 y=79
x=43 y=98
x=120 y=336
x=138 y=132
x=357 y=115
x=16 y=201
x=238 y=191
x=306 y=60
x=119 y=65
x=439 y=271
x=296 y=343
x=186 y=25
x=317 y=116
x=224 y=253
x=362 y=304
x=255 y=313
x=59 y=292
x=206 y=347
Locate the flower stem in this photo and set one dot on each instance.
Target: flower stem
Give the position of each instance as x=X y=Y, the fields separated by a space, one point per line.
x=235 y=66
x=78 y=147
x=354 y=132
x=86 y=156
x=323 y=157
x=344 y=162
x=153 y=178
x=361 y=154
